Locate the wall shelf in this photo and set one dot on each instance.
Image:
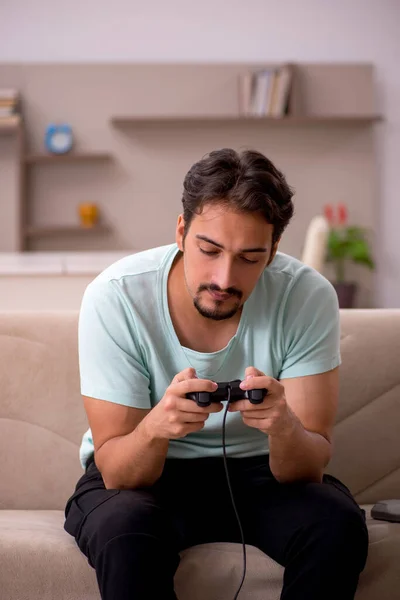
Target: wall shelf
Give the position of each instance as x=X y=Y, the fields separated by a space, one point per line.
x=81 y=157
x=40 y=231
x=126 y=121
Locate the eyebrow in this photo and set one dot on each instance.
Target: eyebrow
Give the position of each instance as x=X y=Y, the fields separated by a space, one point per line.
x=242 y=250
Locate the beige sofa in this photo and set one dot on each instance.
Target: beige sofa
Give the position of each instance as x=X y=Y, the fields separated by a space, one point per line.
x=42 y=420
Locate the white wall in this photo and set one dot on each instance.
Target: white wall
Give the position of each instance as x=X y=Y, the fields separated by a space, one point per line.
x=233 y=30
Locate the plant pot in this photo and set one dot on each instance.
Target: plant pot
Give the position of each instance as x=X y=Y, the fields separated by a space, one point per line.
x=346 y=293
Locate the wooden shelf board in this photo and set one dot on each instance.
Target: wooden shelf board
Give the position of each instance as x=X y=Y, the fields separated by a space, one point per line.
x=74 y=157
x=40 y=231
x=125 y=121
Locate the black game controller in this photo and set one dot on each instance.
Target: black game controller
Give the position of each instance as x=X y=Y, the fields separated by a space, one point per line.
x=222 y=392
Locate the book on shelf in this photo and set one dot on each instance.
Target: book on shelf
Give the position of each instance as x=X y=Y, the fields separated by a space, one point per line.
x=266 y=92
x=9 y=102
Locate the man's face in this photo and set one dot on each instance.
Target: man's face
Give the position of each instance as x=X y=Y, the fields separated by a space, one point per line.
x=225 y=253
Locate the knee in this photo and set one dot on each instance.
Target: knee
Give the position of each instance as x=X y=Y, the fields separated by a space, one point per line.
x=346 y=526
x=339 y=523
x=335 y=503
x=131 y=512
x=343 y=536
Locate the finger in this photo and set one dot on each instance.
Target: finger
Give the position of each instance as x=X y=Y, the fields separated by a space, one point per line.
x=242 y=405
x=193 y=385
x=252 y=372
x=262 y=381
x=188 y=373
x=261 y=424
x=259 y=414
x=195 y=417
x=190 y=428
x=188 y=405
x=246 y=405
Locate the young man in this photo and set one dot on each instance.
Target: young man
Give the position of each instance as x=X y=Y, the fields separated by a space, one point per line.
x=220 y=304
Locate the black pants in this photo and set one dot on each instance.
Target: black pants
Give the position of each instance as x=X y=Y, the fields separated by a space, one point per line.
x=132 y=537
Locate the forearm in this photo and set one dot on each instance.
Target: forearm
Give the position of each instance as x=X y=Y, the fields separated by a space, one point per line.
x=134 y=460
x=297 y=454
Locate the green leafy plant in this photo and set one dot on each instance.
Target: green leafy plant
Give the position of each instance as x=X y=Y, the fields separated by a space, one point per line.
x=345 y=242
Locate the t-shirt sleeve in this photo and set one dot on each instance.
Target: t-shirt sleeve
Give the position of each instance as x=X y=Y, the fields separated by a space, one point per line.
x=110 y=362
x=311 y=328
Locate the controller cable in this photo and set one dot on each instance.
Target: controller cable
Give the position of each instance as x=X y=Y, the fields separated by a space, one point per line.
x=231 y=494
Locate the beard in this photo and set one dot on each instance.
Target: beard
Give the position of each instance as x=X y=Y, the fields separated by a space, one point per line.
x=217 y=312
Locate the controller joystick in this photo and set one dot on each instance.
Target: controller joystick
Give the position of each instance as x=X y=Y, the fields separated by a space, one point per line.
x=222 y=393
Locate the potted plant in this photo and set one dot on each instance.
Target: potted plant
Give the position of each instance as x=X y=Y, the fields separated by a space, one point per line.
x=345 y=243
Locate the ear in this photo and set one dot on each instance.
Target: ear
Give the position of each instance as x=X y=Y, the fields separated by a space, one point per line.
x=274 y=251
x=180 y=227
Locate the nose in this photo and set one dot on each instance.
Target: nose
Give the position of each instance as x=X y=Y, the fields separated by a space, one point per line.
x=224 y=275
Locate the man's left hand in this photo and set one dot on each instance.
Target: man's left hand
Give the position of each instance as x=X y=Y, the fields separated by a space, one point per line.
x=273 y=416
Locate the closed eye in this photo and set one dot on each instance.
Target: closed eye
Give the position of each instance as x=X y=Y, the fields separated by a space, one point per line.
x=209 y=252
x=247 y=260
x=215 y=252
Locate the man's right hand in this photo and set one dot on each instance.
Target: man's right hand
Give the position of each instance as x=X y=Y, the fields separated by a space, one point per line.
x=175 y=416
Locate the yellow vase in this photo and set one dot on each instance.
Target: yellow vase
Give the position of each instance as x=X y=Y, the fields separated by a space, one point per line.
x=88 y=214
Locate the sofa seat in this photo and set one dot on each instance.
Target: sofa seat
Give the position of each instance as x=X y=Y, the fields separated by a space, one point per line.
x=40 y=561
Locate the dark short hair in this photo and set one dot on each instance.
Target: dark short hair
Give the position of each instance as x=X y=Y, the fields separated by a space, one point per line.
x=246 y=182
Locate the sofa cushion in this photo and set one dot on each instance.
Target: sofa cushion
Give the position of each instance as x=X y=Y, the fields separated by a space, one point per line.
x=40 y=561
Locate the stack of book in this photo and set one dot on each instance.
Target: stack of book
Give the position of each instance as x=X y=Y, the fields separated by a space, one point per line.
x=9 y=104
x=265 y=93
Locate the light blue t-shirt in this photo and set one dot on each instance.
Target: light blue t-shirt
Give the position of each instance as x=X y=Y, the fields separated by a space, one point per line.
x=129 y=351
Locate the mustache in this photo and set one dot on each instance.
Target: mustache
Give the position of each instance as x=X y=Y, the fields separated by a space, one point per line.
x=215 y=288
